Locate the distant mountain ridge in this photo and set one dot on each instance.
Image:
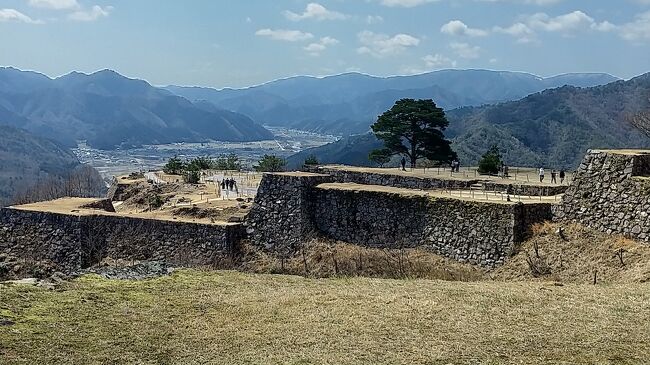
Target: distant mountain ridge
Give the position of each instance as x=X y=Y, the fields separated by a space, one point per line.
x=348 y=103
x=109 y=110
x=553 y=128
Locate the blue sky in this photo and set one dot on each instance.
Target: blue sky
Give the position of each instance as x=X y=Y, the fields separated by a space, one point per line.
x=238 y=43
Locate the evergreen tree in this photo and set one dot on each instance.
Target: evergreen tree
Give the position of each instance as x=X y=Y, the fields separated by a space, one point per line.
x=490 y=162
x=271 y=163
x=413 y=128
x=174 y=166
x=380 y=157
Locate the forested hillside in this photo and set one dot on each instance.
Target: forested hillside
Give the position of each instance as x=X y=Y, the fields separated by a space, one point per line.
x=26 y=160
x=553 y=128
x=109 y=110
x=348 y=103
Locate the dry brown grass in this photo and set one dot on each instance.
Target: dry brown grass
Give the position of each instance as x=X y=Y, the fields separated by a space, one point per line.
x=577 y=254
x=327 y=258
x=196 y=317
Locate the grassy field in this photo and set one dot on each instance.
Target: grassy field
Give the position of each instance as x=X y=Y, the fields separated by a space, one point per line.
x=222 y=317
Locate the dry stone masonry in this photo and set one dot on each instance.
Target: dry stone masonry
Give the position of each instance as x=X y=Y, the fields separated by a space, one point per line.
x=478 y=233
x=68 y=242
x=343 y=175
x=280 y=218
x=610 y=192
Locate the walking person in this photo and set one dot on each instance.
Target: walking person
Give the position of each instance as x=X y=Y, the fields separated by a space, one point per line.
x=562 y=176
x=403 y=162
x=541 y=174
x=553 y=177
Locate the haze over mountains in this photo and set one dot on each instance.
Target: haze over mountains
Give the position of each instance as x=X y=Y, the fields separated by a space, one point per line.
x=552 y=128
x=109 y=110
x=349 y=103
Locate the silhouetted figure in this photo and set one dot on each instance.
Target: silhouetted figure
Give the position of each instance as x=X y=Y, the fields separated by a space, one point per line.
x=505 y=171
x=553 y=177
x=562 y=176
x=509 y=191
x=541 y=174
x=403 y=164
x=223 y=184
x=457 y=165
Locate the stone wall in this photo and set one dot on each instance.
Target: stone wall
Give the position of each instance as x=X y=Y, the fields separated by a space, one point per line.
x=610 y=192
x=394 y=180
x=430 y=183
x=526 y=189
x=72 y=242
x=291 y=208
x=280 y=218
x=479 y=233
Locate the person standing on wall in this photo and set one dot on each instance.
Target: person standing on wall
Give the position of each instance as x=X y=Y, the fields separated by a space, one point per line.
x=541 y=174
x=562 y=176
x=553 y=177
x=403 y=162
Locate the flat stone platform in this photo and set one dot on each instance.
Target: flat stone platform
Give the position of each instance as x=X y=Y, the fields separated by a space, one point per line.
x=465 y=195
x=79 y=207
x=521 y=181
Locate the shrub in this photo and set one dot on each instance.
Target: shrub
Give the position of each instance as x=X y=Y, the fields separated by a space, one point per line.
x=490 y=162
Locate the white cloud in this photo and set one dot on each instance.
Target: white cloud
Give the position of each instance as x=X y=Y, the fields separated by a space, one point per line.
x=315 y=11
x=284 y=35
x=637 y=30
x=405 y=3
x=437 y=60
x=566 y=24
x=91 y=14
x=561 y=23
x=465 y=50
x=521 y=31
x=380 y=45
x=458 y=28
x=13 y=15
x=316 y=48
x=533 y=2
x=55 y=4
x=374 y=19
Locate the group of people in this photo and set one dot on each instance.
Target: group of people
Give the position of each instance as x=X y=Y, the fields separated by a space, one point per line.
x=554 y=175
x=455 y=166
x=229 y=185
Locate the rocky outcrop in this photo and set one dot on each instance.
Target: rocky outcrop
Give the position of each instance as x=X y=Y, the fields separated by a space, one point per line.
x=610 y=192
x=105 y=205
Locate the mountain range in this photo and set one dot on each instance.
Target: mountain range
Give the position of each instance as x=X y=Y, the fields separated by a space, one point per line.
x=349 y=103
x=109 y=110
x=551 y=128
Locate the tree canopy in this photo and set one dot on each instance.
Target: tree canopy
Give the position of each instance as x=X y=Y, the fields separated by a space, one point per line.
x=271 y=163
x=413 y=128
x=490 y=162
x=380 y=157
